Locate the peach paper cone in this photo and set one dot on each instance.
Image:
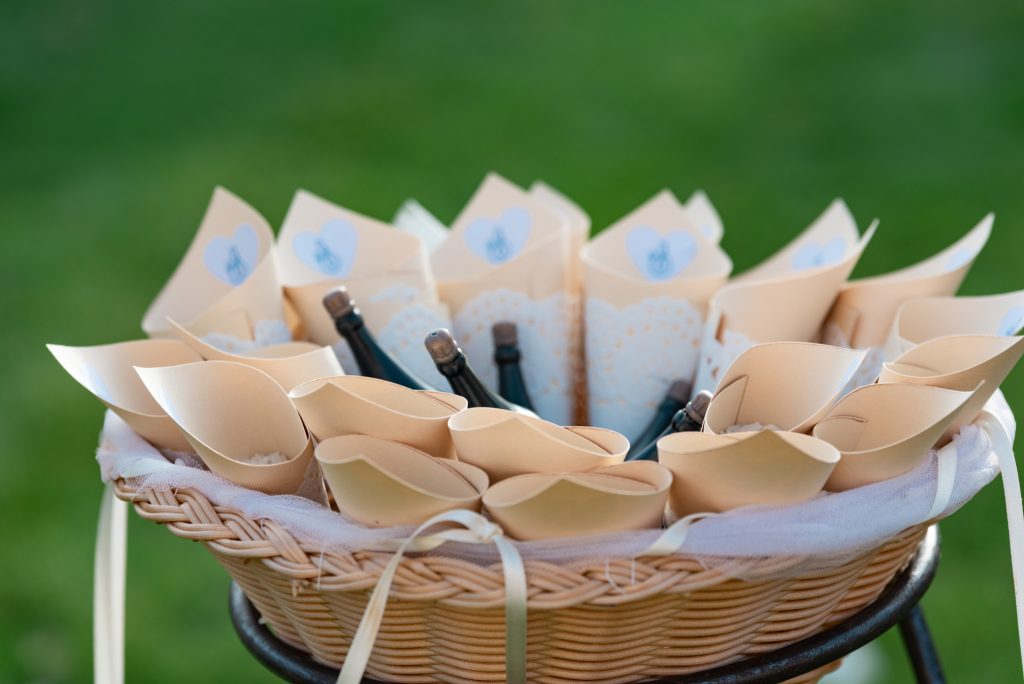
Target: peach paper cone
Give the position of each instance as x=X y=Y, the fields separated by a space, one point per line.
x=354 y=404
x=785 y=385
x=714 y=473
x=504 y=444
x=290 y=363
x=704 y=214
x=785 y=298
x=886 y=430
x=627 y=496
x=958 y=362
x=925 y=319
x=108 y=371
x=228 y=268
x=865 y=309
x=647 y=279
x=234 y=415
x=323 y=245
x=381 y=483
x=506 y=258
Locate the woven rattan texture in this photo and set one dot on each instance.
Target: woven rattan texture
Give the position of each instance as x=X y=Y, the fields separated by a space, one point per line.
x=615 y=621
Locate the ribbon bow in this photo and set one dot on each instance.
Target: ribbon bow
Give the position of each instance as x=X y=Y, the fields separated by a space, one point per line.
x=478 y=530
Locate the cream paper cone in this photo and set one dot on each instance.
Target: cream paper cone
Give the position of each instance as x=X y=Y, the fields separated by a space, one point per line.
x=108 y=371
x=714 y=473
x=232 y=414
x=290 y=364
x=785 y=298
x=354 y=404
x=323 y=245
x=628 y=496
x=415 y=219
x=865 y=309
x=704 y=214
x=925 y=319
x=958 y=362
x=787 y=385
x=228 y=268
x=648 y=279
x=504 y=443
x=507 y=258
x=381 y=483
x=886 y=430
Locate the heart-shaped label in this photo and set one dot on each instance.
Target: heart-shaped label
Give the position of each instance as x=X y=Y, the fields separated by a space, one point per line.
x=331 y=251
x=660 y=256
x=502 y=239
x=816 y=254
x=1012 y=321
x=232 y=259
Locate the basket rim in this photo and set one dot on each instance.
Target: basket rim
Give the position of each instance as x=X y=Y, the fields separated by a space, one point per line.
x=455 y=582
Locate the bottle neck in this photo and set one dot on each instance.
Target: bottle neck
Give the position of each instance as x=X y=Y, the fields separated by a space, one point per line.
x=511 y=385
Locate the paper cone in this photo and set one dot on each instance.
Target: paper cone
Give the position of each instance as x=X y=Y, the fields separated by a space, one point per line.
x=290 y=364
x=643 y=327
x=925 y=319
x=507 y=258
x=785 y=298
x=415 y=219
x=504 y=443
x=865 y=309
x=108 y=371
x=886 y=430
x=713 y=473
x=354 y=404
x=385 y=270
x=788 y=385
x=381 y=483
x=227 y=268
x=628 y=496
x=958 y=362
x=231 y=414
x=703 y=213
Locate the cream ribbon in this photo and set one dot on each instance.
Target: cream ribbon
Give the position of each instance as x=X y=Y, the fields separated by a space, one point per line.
x=108 y=590
x=478 y=530
x=1003 y=447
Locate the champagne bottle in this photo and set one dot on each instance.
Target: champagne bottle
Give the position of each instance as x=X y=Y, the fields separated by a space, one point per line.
x=371 y=358
x=452 y=363
x=675 y=400
x=511 y=385
x=688 y=419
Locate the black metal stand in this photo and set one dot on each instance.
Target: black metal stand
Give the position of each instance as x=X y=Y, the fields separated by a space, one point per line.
x=898 y=604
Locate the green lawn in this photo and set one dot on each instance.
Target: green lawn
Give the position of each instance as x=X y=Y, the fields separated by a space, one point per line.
x=116 y=120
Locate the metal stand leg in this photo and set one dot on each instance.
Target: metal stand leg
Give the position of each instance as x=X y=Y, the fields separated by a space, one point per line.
x=921 y=649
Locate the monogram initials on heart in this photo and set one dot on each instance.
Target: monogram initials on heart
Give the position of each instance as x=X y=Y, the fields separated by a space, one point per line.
x=660 y=256
x=816 y=254
x=1012 y=321
x=232 y=259
x=497 y=240
x=331 y=251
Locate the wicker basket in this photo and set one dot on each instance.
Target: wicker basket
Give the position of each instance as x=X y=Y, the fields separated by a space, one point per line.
x=445 y=618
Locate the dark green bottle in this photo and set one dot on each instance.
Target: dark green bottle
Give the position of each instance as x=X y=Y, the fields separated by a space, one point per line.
x=688 y=419
x=511 y=385
x=372 y=359
x=675 y=400
x=451 y=362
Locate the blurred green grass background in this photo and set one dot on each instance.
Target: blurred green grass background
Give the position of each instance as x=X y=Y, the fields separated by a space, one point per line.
x=117 y=119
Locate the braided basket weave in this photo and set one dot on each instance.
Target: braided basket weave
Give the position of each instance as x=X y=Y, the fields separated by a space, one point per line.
x=595 y=621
